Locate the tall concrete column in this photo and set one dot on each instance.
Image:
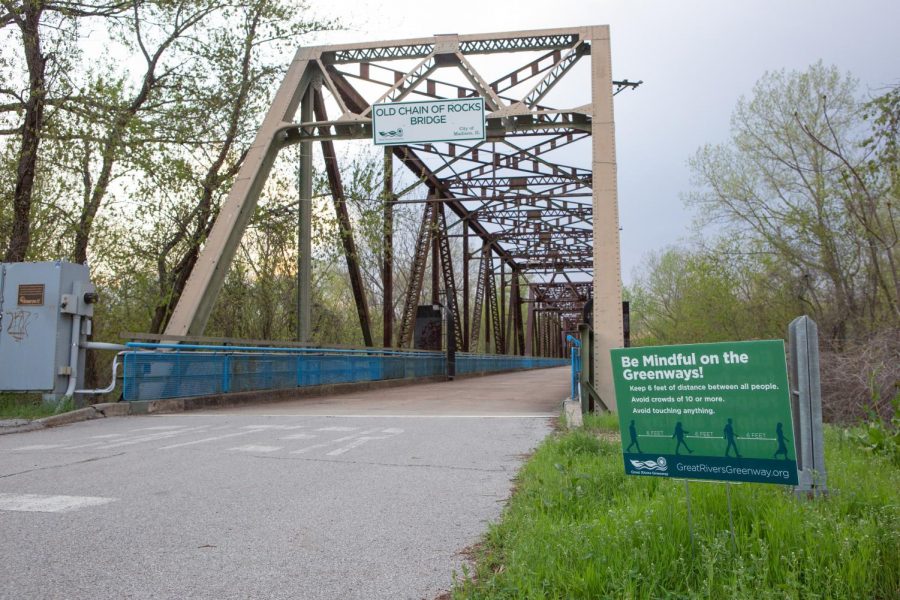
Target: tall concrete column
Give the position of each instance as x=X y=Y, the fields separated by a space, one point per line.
x=608 y=327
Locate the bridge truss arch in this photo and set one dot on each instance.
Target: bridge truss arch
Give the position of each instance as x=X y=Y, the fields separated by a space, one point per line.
x=536 y=200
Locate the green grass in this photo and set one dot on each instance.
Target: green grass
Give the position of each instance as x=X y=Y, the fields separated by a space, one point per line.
x=601 y=422
x=578 y=527
x=24 y=406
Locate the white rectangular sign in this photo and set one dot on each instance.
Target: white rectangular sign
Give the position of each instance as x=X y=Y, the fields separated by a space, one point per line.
x=429 y=121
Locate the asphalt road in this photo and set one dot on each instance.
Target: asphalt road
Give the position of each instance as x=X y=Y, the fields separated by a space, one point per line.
x=274 y=501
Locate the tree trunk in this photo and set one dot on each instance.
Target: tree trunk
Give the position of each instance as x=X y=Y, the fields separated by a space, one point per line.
x=20 y=237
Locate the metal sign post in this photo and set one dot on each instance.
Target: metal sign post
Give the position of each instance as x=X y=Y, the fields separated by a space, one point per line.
x=806 y=399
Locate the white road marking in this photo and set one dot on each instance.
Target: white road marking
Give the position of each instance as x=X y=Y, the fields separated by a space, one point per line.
x=298 y=436
x=251 y=448
x=392 y=430
x=209 y=439
x=159 y=428
x=107 y=436
x=85 y=445
x=153 y=437
x=337 y=429
x=354 y=436
x=43 y=503
x=280 y=427
x=355 y=444
x=38 y=447
x=308 y=448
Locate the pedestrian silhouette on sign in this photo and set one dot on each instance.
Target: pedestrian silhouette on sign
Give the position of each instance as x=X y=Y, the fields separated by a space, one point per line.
x=729 y=435
x=632 y=431
x=679 y=435
x=782 y=447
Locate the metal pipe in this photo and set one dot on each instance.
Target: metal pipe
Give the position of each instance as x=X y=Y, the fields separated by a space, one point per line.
x=102 y=346
x=141 y=345
x=74 y=349
x=115 y=367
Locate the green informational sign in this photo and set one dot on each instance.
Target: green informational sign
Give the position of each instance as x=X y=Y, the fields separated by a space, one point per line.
x=453 y=120
x=706 y=411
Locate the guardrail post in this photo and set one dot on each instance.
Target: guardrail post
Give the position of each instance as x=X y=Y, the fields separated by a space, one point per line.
x=451 y=346
x=806 y=405
x=226 y=374
x=576 y=366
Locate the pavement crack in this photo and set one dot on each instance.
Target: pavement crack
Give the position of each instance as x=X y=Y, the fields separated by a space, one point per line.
x=386 y=464
x=71 y=464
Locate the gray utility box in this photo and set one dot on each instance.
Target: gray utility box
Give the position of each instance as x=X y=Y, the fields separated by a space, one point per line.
x=38 y=307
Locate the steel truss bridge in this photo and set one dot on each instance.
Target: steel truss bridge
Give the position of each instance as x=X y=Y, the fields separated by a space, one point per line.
x=543 y=229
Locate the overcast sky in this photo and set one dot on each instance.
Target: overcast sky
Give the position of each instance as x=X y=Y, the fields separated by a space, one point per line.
x=696 y=57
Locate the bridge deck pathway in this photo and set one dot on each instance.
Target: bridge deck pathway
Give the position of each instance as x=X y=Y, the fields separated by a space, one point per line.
x=365 y=495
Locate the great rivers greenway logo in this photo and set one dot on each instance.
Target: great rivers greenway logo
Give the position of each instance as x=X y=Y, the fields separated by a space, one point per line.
x=659 y=464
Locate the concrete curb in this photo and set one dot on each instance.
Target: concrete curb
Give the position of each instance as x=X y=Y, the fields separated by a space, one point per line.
x=95 y=411
x=74 y=416
x=30 y=426
x=572 y=410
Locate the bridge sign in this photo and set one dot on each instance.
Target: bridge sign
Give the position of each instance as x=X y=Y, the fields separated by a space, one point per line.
x=429 y=121
x=706 y=411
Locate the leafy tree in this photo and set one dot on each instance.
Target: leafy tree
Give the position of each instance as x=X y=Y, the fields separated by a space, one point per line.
x=790 y=183
x=710 y=294
x=47 y=40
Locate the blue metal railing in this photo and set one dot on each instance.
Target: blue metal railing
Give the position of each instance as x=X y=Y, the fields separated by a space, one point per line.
x=157 y=371
x=576 y=366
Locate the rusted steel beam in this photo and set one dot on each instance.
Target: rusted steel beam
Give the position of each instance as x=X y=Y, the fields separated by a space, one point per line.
x=448 y=275
x=527 y=163
x=499 y=341
x=524 y=181
x=504 y=323
x=407 y=83
x=479 y=299
x=345 y=225
x=530 y=326
x=542 y=147
x=488 y=296
x=489 y=213
x=526 y=72
x=416 y=279
x=556 y=73
x=524 y=41
x=433 y=88
x=435 y=254
x=519 y=325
